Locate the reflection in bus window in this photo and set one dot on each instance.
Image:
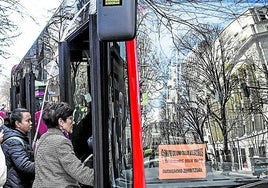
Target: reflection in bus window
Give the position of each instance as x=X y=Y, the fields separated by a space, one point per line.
x=119 y=125
x=81 y=102
x=80 y=90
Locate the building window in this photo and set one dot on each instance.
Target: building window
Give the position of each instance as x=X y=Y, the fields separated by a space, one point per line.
x=262 y=15
x=251 y=152
x=243 y=155
x=262 y=151
x=235 y=153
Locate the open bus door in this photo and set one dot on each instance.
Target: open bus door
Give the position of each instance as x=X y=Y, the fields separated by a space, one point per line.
x=111 y=116
x=116 y=21
x=22 y=90
x=100 y=71
x=23 y=94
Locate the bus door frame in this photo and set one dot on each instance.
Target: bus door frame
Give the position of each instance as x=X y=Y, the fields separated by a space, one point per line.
x=98 y=85
x=98 y=76
x=30 y=97
x=26 y=96
x=64 y=72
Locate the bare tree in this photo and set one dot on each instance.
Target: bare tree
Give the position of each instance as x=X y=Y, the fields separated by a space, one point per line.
x=8 y=32
x=193 y=29
x=8 y=27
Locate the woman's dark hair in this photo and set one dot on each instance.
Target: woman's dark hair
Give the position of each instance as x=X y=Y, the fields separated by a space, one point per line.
x=16 y=115
x=53 y=112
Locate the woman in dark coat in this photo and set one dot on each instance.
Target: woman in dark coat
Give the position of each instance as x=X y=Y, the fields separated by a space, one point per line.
x=18 y=151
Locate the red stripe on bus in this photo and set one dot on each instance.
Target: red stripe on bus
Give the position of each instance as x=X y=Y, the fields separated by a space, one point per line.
x=136 y=129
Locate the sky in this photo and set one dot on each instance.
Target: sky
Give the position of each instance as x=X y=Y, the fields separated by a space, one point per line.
x=30 y=29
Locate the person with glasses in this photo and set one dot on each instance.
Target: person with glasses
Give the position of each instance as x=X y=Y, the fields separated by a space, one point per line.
x=56 y=164
x=18 y=152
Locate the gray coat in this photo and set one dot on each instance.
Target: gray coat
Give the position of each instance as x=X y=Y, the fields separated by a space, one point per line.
x=56 y=164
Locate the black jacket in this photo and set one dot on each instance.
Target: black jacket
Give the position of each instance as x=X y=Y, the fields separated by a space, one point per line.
x=19 y=159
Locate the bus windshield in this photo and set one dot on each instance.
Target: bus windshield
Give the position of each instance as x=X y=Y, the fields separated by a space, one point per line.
x=199 y=125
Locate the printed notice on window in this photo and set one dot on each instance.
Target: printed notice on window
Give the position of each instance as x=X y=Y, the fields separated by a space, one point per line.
x=112 y=2
x=182 y=161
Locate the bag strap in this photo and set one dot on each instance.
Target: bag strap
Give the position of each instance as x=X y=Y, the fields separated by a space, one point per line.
x=16 y=138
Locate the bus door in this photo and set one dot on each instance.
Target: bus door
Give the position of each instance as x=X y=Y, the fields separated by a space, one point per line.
x=22 y=91
x=22 y=94
x=109 y=117
x=110 y=111
x=75 y=87
x=93 y=79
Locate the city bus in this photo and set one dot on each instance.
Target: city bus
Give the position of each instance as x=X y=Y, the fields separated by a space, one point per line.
x=87 y=56
x=74 y=61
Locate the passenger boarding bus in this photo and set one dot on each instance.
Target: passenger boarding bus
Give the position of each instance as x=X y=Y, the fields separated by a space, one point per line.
x=151 y=124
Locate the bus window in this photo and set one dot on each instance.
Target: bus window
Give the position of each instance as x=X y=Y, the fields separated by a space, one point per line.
x=81 y=92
